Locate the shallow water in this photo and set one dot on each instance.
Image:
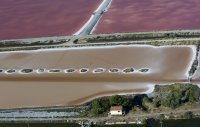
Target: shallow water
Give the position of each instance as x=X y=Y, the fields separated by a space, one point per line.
x=167 y=65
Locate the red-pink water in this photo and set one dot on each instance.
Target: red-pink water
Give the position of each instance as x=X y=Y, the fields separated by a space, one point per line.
x=150 y=15
x=42 y=18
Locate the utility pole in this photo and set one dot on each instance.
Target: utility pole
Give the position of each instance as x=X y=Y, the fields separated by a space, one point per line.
x=161 y=123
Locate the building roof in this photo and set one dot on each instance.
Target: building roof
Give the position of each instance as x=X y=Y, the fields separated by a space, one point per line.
x=116 y=108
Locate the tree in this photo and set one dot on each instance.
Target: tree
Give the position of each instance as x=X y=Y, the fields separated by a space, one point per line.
x=95 y=107
x=104 y=103
x=116 y=100
x=95 y=111
x=156 y=102
x=172 y=100
x=161 y=117
x=127 y=102
x=190 y=96
x=188 y=115
x=144 y=121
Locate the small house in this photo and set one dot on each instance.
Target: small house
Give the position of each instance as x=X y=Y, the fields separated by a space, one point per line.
x=116 y=110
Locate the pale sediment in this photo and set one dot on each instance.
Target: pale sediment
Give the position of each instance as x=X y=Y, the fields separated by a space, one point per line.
x=195 y=78
x=194 y=48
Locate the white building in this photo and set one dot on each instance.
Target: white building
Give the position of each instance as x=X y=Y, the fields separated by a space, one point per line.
x=116 y=110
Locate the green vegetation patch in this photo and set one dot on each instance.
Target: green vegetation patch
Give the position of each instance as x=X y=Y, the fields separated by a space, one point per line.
x=170 y=96
x=176 y=95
